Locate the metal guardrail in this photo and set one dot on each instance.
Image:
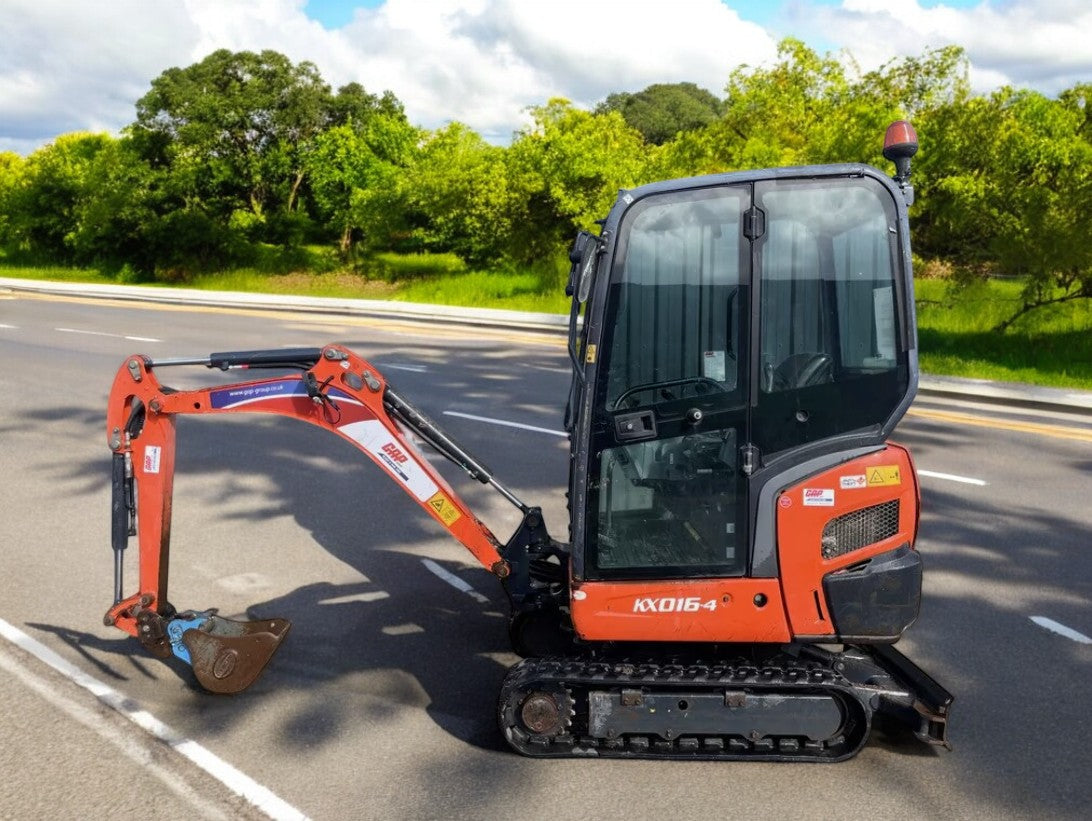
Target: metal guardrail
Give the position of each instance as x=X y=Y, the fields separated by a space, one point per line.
x=1003 y=393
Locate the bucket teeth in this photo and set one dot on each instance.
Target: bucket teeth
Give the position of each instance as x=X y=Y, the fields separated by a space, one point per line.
x=228 y=656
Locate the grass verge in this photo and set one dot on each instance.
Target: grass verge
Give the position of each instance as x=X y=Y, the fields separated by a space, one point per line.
x=1051 y=346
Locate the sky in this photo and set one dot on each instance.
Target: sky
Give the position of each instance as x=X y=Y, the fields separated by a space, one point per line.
x=81 y=65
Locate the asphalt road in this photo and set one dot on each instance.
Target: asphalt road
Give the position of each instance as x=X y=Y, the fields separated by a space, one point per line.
x=381 y=702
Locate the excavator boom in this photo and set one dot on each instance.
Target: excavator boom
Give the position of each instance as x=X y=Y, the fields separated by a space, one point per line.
x=336 y=390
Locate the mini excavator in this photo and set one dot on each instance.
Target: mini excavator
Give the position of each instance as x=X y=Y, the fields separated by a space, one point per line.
x=741 y=554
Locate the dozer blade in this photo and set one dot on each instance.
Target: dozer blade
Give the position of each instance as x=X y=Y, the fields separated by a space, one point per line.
x=228 y=656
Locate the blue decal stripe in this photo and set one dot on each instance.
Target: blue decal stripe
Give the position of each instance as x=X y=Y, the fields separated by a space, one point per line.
x=232 y=397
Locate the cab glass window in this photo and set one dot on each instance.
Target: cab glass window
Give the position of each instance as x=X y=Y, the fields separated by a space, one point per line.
x=831 y=359
x=676 y=332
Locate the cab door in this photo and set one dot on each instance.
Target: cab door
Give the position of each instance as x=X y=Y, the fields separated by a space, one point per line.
x=831 y=343
x=666 y=486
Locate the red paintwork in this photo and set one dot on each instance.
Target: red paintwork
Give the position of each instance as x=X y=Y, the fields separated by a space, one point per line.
x=361 y=420
x=800 y=529
x=607 y=611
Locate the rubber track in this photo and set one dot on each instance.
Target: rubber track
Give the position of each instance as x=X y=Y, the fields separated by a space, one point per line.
x=578 y=677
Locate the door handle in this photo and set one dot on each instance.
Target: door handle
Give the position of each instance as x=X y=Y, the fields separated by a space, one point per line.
x=631 y=427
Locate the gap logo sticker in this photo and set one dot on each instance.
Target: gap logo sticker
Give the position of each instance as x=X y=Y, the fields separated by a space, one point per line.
x=853 y=482
x=818 y=497
x=152 y=455
x=377 y=441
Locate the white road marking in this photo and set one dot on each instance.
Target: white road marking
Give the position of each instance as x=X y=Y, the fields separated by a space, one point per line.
x=1061 y=629
x=373 y=595
x=454 y=581
x=103 y=333
x=104 y=729
x=412 y=368
x=9 y=327
x=238 y=782
x=504 y=423
x=407 y=629
x=952 y=478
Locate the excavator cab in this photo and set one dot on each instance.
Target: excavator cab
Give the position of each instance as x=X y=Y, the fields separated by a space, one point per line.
x=741 y=536
x=737 y=327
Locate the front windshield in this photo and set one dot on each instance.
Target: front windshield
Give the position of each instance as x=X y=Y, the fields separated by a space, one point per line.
x=676 y=351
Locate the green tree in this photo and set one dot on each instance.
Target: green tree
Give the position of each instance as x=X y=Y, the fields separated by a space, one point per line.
x=11 y=169
x=355 y=176
x=354 y=106
x=781 y=115
x=459 y=198
x=1007 y=189
x=664 y=110
x=115 y=217
x=42 y=205
x=1079 y=100
x=564 y=174
x=810 y=108
x=236 y=127
x=778 y=114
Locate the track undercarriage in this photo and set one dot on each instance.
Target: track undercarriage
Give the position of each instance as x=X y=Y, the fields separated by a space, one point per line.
x=798 y=703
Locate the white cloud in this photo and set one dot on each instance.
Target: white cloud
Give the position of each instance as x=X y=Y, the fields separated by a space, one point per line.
x=69 y=65
x=81 y=66
x=72 y=65
x=484 y=61
x=1041 y=44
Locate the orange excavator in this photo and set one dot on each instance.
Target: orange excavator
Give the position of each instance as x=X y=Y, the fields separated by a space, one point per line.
x=740 y=557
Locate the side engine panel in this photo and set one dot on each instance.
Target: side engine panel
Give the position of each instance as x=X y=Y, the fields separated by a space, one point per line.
x=845 y=549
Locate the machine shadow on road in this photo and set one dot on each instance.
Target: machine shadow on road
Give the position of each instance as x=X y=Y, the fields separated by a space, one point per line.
x=420 y=649
x=93 y=648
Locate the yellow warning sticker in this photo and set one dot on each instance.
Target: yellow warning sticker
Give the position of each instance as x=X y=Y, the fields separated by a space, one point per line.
x=884 y=475
x=448 y=513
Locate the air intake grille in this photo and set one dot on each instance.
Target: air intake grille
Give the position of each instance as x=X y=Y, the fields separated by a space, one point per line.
x=860 y=528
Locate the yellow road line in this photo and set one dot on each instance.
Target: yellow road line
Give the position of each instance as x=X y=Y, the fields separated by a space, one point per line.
x=1053 y=431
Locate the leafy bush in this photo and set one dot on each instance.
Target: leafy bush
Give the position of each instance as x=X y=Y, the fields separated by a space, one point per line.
x=183 y=243
x=391 y=267
x=275 y=259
